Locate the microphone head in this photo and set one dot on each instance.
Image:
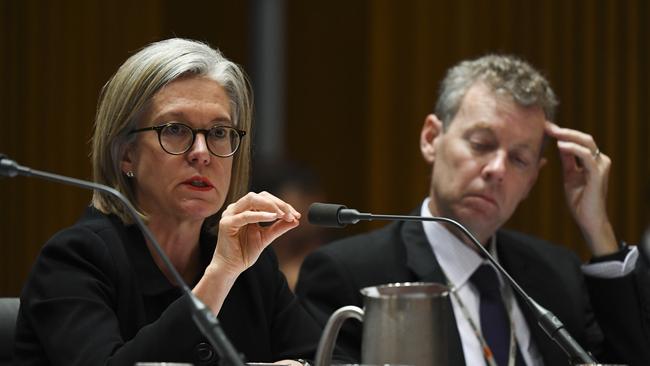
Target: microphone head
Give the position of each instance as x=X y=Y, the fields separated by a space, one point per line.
x=325 y=214
x=8 y=167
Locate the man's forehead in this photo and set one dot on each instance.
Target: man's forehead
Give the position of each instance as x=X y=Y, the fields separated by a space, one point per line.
x=481 y=104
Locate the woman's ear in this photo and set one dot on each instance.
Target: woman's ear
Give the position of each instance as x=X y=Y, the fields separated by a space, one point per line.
x=126 y=165
x=431 y=130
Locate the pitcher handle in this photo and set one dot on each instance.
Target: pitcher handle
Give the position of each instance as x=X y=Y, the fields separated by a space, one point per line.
x=331 y=332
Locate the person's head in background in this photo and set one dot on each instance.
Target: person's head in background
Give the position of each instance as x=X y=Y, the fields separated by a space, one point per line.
x=299 y=186
x=129 y=101
x=485 y=140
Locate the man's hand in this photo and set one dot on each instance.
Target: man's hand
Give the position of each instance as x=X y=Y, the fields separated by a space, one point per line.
x=586 y=172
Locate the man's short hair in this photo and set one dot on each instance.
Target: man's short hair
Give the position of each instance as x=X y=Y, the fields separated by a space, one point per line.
x=505 y=75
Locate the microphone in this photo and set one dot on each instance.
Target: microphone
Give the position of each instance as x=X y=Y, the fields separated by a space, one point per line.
x=203 y=317
x=333 y=215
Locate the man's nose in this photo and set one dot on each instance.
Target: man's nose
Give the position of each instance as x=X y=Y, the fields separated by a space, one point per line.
x=496 y=166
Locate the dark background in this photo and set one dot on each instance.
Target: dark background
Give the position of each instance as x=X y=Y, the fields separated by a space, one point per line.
x=360 y=78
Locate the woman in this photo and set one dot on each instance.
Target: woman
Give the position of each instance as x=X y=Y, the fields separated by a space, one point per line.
x=171 y=134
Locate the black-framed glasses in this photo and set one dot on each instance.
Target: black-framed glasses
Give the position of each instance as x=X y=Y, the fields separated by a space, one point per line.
x=177 y=138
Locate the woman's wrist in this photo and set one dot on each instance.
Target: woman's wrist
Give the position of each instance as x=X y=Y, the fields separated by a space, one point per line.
x=214 y=286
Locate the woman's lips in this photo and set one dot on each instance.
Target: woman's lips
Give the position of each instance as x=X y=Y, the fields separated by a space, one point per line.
x=198 y=183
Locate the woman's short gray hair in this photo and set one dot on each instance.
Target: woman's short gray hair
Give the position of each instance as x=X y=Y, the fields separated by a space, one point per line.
x=127 y=94
x=504 y=74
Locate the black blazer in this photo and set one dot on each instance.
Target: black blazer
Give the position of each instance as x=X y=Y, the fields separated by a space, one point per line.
x=332 y=276
x=96 y=297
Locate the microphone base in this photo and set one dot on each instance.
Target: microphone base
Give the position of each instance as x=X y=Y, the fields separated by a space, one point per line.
x=210 y=327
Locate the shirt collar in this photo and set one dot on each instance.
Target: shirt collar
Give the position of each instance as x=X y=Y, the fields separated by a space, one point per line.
x=457 y=260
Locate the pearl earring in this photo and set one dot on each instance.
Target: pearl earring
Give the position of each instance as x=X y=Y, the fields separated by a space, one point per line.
x=130 y=174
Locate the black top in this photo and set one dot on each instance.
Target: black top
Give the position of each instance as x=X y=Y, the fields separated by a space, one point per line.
x=96 y=297
x=608 y=317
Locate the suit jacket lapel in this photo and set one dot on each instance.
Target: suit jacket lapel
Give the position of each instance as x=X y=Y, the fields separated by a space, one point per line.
x=512 y=256
x=419 y=255
x=421 y=260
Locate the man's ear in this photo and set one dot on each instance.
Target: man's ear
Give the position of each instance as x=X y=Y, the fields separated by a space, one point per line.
x=431 y=130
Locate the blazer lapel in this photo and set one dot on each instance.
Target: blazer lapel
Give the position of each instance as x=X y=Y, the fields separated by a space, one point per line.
x=419 y=255
x=513 y=257
x=421 y=260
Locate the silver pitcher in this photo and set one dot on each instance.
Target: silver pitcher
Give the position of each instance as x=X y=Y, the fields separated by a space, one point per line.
x=403 y=323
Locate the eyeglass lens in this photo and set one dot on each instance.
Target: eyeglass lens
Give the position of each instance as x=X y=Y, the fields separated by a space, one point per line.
x=178 y=138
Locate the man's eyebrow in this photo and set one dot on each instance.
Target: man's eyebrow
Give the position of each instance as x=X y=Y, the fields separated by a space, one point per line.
x=525 y=146
x=534 y=147
x=481 y=127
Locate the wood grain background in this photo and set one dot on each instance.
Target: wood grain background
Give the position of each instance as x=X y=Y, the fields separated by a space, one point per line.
x=361 y=76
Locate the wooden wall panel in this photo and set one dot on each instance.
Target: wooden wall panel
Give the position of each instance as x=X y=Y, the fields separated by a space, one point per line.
x=327 y=91
x=55 y=59
x=362 y=75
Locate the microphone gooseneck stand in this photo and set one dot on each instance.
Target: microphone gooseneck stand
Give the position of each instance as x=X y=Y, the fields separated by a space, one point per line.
x=333 y=215
x=203 y=317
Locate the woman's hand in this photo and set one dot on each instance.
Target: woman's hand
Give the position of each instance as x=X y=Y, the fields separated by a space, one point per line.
x=250 y=225
x=241 y=241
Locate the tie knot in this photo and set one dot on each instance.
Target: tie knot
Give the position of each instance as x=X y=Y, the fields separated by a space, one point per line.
x=486 y=280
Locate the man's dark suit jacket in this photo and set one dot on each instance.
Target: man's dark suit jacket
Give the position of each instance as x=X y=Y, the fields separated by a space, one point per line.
x=96 y=297
x=332 y=276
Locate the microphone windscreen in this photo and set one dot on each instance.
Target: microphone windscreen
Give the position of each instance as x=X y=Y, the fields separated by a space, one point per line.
x=7 y=169
x=325 y=214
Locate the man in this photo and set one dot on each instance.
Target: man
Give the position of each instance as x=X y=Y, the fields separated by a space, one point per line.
x=485 y=144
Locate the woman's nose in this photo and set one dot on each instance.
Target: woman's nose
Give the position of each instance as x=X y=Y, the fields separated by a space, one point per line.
x=199 y=152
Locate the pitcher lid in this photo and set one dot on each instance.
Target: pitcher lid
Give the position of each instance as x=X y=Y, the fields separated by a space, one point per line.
x=410 y=289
